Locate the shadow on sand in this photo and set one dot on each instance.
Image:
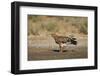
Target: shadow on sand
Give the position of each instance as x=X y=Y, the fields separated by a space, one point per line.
x=59 y=50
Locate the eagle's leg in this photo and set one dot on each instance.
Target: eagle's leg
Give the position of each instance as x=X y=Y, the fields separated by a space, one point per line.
x=61 y=48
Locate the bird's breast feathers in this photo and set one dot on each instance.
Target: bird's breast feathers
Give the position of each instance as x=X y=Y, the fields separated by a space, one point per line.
x=63 y=44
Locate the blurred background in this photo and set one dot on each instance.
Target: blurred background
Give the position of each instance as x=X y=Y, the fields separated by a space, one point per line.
x=45 y=25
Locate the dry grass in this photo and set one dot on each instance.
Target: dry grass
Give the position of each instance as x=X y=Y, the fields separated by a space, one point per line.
x=44 y=25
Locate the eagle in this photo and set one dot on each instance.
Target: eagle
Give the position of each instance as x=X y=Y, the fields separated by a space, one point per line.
x=63 y=40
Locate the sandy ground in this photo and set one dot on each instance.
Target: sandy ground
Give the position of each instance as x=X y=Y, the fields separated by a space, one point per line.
x=47 y=49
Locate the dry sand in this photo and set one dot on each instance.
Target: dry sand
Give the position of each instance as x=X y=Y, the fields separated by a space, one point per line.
x=47 y=49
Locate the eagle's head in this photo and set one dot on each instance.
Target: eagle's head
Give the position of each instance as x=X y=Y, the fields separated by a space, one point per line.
x=54 y=35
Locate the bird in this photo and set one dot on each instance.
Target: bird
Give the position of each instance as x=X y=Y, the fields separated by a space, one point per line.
x=63 y=40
